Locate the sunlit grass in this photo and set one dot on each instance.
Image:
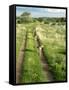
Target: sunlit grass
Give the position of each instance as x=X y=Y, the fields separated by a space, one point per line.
x=20 y=36
x=53 y=39
x=32 y=69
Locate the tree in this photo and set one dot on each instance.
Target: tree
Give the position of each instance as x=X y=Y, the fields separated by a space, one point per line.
x=26 y=17
x=40 y=19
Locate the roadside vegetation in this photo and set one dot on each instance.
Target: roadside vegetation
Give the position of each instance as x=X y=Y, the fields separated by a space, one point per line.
x=53 y=39
x=52 y=35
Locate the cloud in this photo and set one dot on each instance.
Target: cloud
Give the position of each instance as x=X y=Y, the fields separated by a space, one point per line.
x=56 y=10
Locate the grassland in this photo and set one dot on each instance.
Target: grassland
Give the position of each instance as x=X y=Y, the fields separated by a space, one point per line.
x=53 y=39
x=31 y=68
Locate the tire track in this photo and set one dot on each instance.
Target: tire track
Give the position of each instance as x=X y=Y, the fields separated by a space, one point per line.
x=43 y=59
x=20 y=60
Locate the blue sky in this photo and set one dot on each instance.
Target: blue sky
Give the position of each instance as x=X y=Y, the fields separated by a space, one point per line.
x=41 y=12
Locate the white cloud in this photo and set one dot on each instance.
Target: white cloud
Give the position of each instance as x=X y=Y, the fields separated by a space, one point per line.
x=56 y=10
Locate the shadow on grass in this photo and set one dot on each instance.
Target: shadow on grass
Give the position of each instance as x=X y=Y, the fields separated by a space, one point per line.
x=30 y=50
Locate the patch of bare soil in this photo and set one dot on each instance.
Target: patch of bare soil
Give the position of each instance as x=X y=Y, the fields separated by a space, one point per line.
x=43 y=59
x=45 y=66
x=20 y=61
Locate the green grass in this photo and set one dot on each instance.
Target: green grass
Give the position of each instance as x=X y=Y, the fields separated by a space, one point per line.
x=53 y=39
x=32 y=69
x=20 y=37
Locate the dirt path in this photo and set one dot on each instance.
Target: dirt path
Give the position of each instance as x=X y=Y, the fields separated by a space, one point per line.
x=45 y=65
x=44 y=61
x=20 y=60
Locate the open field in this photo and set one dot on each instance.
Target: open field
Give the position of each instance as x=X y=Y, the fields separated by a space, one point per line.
x=52 y=38
x=40 y=45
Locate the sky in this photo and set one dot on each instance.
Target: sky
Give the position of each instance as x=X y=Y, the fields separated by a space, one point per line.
x=41 y=12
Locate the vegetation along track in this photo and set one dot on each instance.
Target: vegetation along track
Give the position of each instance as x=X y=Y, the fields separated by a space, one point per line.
x=19 y=61
x=32 y=65
x=54 y=49
x=43 y=59
x=31 y=68
x=37 y=63
x=44 y=56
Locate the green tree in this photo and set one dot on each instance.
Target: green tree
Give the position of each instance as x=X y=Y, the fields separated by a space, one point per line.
x=26 y=17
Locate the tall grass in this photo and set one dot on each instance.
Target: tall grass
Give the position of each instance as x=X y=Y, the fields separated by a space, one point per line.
x=20 y=37
x=53 y=38
x=31 y=70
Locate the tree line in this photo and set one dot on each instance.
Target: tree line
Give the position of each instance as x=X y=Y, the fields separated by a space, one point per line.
x=26 y=17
